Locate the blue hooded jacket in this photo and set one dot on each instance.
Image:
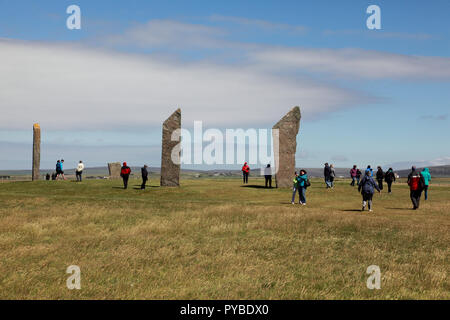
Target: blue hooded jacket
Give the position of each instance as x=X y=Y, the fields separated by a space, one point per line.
x=367 y=185
x=426 y=176
x=302 y=180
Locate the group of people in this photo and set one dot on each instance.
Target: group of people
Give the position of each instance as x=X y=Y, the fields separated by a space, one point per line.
x=418 y=182
x=267 y=174
x=125 y=172
x=329 y=174
x=59 y=171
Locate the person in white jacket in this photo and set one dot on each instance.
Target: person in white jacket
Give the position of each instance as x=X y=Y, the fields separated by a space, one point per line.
x=79 y=170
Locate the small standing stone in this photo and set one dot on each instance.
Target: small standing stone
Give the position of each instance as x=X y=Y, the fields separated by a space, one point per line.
x=170 y=152
x=114 y=170
x=285 y=146
x=36 y=152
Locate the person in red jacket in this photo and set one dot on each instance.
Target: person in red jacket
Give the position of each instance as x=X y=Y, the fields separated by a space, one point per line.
x=416 y=185
x=245 y=172
x=125 y=172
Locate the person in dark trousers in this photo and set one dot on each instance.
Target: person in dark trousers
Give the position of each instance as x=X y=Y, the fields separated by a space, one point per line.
x=367 y=188
x=389 y=177
x=47 y=176
x=358 y=176
x=353 y=173
x=268 y=175
x=245 y=172
x=301 y=185
x=380 y=176
x=327 y=175
x=294 y=187
x=416 y=185
x=144 y=173
x=79 y=171
x=426 y=178
x=125 y=172
x=332 y=176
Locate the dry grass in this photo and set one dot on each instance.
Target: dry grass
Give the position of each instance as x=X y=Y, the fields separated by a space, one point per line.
x=213 y=239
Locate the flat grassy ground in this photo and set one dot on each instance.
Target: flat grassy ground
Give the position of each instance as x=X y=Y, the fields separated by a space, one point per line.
x=214 y=239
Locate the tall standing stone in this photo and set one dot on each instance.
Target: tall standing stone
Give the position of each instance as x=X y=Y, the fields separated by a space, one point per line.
x=35 y=172
x=285 y=146
x=170 y=152
x=114 y=170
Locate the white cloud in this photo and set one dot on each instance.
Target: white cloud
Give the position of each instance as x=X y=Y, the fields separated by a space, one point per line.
x=357 y=63
x=66 y=87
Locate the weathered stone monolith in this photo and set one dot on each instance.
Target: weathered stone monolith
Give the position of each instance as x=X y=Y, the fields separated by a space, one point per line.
x=114 y=170
x=285 y=146
x=35 y=171
x=170 y=152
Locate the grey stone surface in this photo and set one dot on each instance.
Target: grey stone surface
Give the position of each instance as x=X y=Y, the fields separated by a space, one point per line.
x=114 y=170
x=285 y=147
x=36 y=152
x=170 y=152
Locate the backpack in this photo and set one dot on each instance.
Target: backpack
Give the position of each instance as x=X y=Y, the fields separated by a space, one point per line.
x=307 y=183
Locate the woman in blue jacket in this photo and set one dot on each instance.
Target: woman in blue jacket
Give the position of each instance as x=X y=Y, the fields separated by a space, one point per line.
x=302 y=178
x=426 y=178
x=367 y=187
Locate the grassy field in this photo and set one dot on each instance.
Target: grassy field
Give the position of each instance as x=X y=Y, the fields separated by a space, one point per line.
x=214 y=239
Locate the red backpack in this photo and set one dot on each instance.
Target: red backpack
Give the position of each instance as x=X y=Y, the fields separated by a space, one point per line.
x=125 y=171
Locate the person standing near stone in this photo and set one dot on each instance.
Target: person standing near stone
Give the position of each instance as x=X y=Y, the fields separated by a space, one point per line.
x=326 y=174
x=294 y=187
x=416 y=184
x=380 y=176
x=426 y=178
x=125 y=172
x=302 y=179
x=389 y=177
x=268 y=175
x=245 y=172
x=79 y=170
x=367 y=188
x=47 y=176
x=144 y=173
x=353 y=173
x=332 y=175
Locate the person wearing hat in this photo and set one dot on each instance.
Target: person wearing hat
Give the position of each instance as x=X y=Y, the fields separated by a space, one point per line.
x=245 y=172
x=125 y=172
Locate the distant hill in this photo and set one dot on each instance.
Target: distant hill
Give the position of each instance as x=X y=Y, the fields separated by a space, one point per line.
x=99 y=172
x=437 y=171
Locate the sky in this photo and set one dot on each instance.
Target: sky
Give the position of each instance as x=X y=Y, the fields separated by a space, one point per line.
x=101 y=93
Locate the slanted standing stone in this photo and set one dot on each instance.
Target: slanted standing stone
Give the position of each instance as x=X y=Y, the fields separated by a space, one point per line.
x=285 y=146
x=170 y=152
x=114 y=170
x=36 y=152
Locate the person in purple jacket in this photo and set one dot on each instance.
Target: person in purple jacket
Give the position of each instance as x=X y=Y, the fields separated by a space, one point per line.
x=353 y=173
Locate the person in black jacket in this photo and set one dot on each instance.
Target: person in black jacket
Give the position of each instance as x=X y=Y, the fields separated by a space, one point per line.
x=380 y=176
x=389 y=177
x=144 y=173
x=327 y=175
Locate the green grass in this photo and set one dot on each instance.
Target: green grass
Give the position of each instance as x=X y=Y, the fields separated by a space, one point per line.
x=213 y=239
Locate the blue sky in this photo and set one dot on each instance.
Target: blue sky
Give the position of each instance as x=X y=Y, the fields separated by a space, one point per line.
x=102 y=92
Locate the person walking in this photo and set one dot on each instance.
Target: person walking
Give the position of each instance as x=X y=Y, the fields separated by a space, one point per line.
x=302 y=185
x=144 y=173
x=79 y=170
x=294 y=187
x=353 y=173
x=367 y=188
x=268 y=175
x=125 y=172
x=389 y=177
x=358 y=176
x=380 y=176
x=245 y=172
x=416 y=184
x=426 y=178
x=370 y=169
x=326 y=174
x=59 y=169
x=332 y=176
